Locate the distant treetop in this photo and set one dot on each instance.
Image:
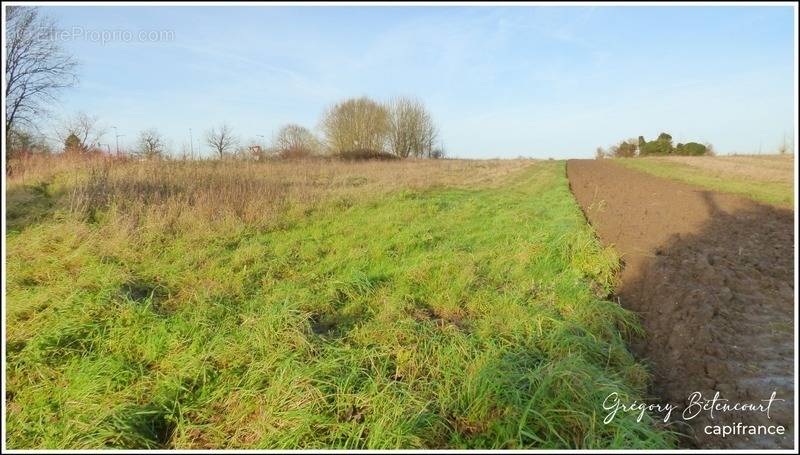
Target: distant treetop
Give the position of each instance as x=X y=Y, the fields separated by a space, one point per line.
x=661 y=146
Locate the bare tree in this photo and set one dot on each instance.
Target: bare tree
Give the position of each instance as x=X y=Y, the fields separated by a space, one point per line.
x=151 y=144
x=295 y=141
x=36 y=66
x=356 y=126
x=412 y=132
x=221 y=139
x=80 y=133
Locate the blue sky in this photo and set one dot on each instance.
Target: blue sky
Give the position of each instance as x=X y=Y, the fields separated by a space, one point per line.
x=500 y=81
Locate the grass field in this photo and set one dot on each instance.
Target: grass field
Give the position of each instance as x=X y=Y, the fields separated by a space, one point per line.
x=764 y=178
x=448 y=304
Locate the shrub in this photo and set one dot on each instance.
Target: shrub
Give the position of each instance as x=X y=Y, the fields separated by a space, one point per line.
x=691 y=149
x=437 y=153
x=366 y=154
x=72 y=144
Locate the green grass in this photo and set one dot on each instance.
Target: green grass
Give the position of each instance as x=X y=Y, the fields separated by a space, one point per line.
x=777 y=193
x=444 y=318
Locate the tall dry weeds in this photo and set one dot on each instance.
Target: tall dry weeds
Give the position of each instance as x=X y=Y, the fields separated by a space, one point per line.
x=256 y=193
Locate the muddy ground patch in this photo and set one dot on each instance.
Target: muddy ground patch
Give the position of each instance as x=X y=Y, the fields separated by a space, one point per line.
x=711 y=277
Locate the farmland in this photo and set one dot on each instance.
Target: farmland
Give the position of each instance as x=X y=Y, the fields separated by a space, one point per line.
x=308 y=304
x=711 y=276
x=280 y=227
x=764 y=178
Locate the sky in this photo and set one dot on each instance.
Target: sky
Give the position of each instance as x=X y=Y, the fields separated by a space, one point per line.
x=501 y=82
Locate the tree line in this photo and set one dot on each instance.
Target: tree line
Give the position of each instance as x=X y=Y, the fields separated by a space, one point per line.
x=354 y=128
x=661 y=146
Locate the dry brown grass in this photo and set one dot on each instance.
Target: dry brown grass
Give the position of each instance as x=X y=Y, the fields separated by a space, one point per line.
x=767 y=168
x=764 y=178
x=175 y=193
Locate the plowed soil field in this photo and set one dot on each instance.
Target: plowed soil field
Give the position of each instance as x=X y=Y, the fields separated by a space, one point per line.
x=711 y=277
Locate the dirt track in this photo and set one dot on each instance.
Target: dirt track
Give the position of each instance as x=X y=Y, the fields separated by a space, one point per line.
x=711 y=276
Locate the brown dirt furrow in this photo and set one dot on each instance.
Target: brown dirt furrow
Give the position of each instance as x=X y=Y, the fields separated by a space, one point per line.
x=711 y=277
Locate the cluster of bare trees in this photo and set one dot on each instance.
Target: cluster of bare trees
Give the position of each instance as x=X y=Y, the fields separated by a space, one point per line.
x=82 y=133
x=354 y=128
x=363 y=127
